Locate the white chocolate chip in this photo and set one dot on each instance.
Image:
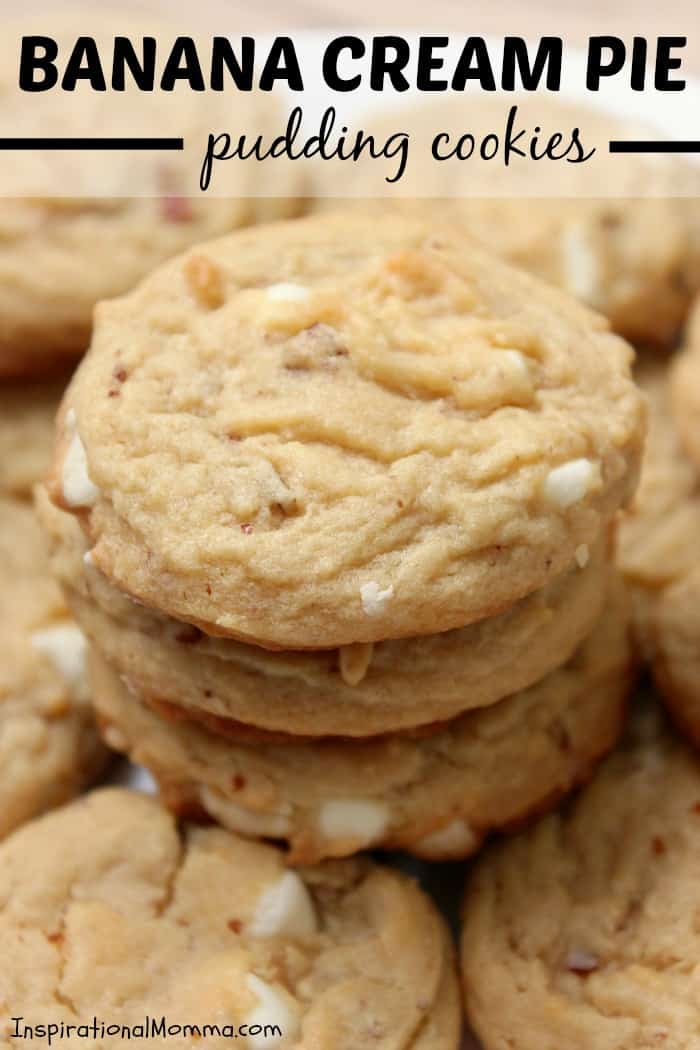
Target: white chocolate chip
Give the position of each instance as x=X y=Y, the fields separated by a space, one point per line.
x=285 y=909
x=65 y=646
x=78 y=489
x=569 y=483
x=582 y=555
x=231 y=815
x=287 y=293
x=88 y=559
x=275 y=1007
x=354 y=661
x=358 y=820
x=141 y=780
x=456 y=839
x=579 y=263
x=518 y=360
x=374 y=600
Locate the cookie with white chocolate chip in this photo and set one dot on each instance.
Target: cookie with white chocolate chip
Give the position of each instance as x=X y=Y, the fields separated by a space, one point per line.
x=622 y=233
x=582 y=932
x=374 y=430
x=104 y=907
x=49 y=747
x=436 y=794
x=358 y=690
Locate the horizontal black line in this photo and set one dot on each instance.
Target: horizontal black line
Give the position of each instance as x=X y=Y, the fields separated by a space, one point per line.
x=91 y=143
x=661 y=146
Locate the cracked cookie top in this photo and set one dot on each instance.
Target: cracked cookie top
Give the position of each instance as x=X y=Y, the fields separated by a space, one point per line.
x=104 y=908
x=593 y=912
x=342 y=430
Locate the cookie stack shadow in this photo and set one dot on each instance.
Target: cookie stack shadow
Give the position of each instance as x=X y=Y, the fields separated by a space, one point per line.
x=393 y=738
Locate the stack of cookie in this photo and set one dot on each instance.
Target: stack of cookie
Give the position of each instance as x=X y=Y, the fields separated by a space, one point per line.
x=333 y=501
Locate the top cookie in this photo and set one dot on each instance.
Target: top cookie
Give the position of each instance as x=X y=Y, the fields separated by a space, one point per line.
x=342 y=430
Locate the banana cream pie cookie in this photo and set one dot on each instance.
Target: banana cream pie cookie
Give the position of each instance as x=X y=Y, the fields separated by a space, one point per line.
x=342 y=430
x=111 y=912
x=582 y=932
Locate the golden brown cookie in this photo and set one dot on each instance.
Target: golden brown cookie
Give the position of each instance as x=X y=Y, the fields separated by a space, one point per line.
x=27 y=413
x=342 y=430
x=355 y=691
x=582 y=932
x=62 y=247
x=436 y=794
x=49 y=748
x=108 y=910
x=621 y=233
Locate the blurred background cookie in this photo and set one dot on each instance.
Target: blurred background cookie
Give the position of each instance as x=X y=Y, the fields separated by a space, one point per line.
x=581 y=932
x=63 y=248
x=633 y=253
x=49 y=747
x=27 y=418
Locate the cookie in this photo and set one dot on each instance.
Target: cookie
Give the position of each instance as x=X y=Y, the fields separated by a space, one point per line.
x=27 y=413
x=685 y=387
x=49 y=748
x=435 y=794
x=632 y=252
x=110 y=911
x=355 y=691
x=59 y=255
x=344 y=430
x=581 y=933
